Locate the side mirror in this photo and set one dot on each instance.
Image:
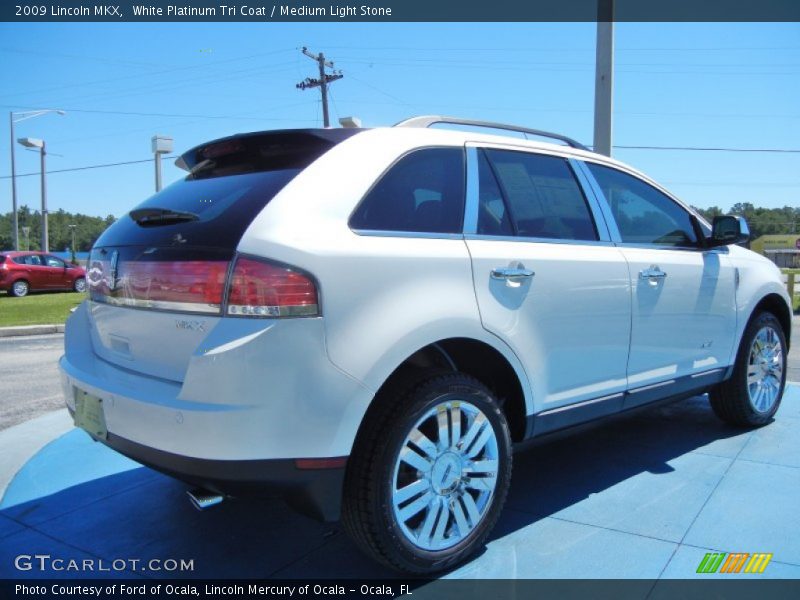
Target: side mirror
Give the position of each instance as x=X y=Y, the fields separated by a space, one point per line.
x=727 y=230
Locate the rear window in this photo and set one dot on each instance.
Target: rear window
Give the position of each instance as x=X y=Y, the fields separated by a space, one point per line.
x=230 y=182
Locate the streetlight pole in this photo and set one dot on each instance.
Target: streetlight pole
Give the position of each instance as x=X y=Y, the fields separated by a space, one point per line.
x=37 y=143
x=72 y=231
x=22 y=116
x=45 y=232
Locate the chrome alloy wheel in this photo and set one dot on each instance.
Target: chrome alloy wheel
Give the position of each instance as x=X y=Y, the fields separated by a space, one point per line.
x=445 y=475
x=765 y=370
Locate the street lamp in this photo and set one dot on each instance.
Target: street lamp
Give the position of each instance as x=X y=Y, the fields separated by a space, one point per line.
x=161 y=144
x=16 y=117
x=37 y=143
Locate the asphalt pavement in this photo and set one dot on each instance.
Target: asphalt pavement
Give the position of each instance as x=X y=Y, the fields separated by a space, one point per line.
x=29 y=377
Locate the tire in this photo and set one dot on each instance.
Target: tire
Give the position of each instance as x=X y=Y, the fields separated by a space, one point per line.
x=79 y=285
x=761 y=359
x=19 y=288
x=413 y=503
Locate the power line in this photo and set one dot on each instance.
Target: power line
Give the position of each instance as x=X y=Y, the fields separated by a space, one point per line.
x=699 y=149
x=117 y=164
x=767 y=150
x=170 y=115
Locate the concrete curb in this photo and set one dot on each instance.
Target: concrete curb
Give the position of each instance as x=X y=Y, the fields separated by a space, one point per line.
x=30 y=330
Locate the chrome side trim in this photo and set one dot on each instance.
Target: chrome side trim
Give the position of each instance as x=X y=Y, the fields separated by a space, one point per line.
x=653 y=386
x=567 y=407
x=534 y=240
x=408 y=234
x=182 y=307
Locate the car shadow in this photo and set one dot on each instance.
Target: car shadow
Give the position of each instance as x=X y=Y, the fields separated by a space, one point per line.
x=140 y=514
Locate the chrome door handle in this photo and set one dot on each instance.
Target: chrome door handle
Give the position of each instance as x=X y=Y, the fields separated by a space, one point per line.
x=511 y=273
x=654 y=272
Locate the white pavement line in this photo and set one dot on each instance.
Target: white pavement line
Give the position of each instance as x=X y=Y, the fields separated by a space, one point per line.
x=18 y=444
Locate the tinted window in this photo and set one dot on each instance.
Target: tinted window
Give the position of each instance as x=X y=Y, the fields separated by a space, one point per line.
x=493 y=217
x=542 y=196
x=422 y=192
x=52 y=261
x=231 y=181
x=29 y=259
x=643 y=214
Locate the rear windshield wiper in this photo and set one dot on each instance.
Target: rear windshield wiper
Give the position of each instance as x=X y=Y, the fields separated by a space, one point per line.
x=161 y=216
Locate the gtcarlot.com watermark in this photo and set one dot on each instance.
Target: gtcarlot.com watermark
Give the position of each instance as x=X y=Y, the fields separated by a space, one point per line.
x=47 y=562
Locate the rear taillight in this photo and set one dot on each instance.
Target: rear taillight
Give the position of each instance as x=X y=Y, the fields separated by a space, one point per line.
x=263 y=289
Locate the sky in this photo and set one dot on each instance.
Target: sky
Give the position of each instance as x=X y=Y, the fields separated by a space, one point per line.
x=728 y=85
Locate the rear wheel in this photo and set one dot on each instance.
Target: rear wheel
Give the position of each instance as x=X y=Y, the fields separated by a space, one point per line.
x=753 y=393
x=79 y=285
x=19 y=288
x=429 y=475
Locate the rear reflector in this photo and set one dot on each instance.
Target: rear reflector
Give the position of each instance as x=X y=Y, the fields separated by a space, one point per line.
x=262 y=289
x=321 y=463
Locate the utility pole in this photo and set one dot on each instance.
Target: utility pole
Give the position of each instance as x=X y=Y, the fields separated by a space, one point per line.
x=322 y=82
x=604 y=77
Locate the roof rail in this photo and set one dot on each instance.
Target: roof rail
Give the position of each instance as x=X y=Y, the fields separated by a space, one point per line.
x=428 y=120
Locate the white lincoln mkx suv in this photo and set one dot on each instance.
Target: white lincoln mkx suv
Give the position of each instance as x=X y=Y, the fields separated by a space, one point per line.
x=369 y=319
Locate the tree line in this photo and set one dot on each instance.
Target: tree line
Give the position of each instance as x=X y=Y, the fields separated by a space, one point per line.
x=87 y=230
x=762 y=221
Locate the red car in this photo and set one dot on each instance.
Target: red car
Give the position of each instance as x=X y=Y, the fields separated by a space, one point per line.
x=22 y=272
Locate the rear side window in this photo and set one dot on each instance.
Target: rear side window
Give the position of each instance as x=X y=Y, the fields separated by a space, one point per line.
x=643 y=214
x=29 y=259
x=542 y=197
x=423 y=192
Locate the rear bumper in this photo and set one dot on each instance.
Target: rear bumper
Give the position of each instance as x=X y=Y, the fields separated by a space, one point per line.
x=316 y=493
x=256 y=396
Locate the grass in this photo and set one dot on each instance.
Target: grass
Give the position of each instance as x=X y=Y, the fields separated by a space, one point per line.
x=38 y=308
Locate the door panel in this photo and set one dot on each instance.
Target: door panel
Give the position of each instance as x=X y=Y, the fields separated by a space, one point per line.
x=569 y=323
x=684 y=322
x=547 y=280
x=684 y=313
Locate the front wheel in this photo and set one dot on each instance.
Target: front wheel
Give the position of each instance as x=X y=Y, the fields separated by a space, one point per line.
x=20 y=288
x=752 y=395
x=79 y=285
x=429 y=475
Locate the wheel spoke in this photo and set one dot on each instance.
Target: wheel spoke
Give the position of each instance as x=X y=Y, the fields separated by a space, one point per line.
x=435 y=513
x=422 y=441
x=441 y=525
x=472 y=509
x=461 y=519
x=480 y=442
x=474 y=430
x=411 y=490
x=482 y=466
x=481 y=484
x=408 y=455
x=455 y=424
x=416 y=506
x=444 y=427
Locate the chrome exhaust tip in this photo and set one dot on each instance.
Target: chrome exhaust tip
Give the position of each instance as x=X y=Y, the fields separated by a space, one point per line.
x=202 y=499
